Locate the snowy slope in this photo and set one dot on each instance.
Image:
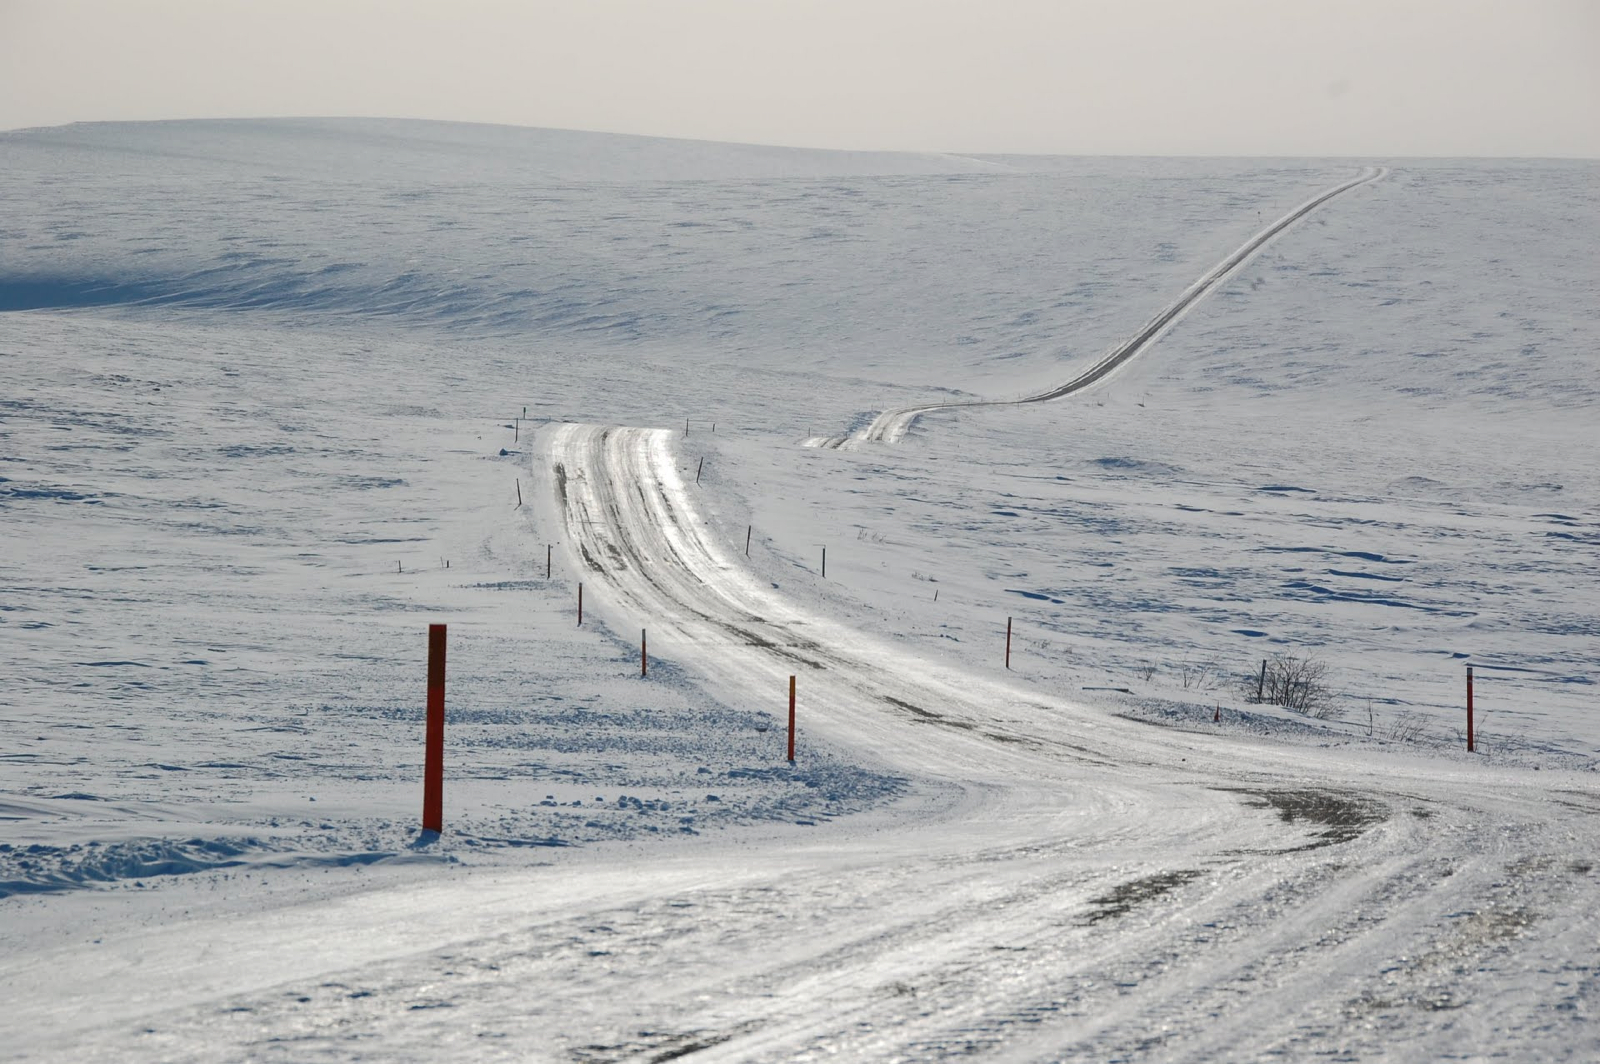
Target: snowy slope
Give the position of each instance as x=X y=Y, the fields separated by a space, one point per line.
x=260 y=377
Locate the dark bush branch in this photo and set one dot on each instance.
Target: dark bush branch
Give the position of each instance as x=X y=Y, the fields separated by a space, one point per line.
x=1295 y=683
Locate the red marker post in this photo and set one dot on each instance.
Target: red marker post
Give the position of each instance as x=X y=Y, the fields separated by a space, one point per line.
x=1470 y=744
x=791 y=720
x=433 y=764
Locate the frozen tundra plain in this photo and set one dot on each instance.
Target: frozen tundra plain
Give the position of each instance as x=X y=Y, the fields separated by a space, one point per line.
x=262 y=422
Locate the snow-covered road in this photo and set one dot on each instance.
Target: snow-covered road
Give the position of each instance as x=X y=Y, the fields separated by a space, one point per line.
x=1072 y=876
x=890 y=426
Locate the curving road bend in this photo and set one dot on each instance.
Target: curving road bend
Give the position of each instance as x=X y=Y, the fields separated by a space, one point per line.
x=1064 y=883
x=890 y=426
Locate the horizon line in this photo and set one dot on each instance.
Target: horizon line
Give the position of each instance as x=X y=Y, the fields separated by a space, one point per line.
x=978 y=154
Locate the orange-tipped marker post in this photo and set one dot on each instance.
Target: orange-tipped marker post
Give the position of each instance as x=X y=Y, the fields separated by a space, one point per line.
x=433 y=763
x=791 y=720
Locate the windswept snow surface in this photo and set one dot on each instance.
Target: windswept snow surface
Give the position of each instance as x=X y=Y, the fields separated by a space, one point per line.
x=261 y=425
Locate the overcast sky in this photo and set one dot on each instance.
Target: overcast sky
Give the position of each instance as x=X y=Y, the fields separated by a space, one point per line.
x=1254 y=77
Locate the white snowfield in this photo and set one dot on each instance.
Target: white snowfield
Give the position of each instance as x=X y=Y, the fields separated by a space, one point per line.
x=264 y=423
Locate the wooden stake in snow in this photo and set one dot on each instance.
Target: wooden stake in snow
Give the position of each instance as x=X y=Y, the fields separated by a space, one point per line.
x=516 y=430
x=580 y=605
x=1008 y=642
x=519 y=492
x=791 y=720
x=747 y=530
x=433 y=761
x=700 y=469
x=547 y=561
x=1261 y=684
x=1471 y=745
x=824 y=563
x=685 y=428
x=644 y=660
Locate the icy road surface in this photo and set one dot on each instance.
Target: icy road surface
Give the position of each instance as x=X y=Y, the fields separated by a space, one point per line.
x=1089 y=888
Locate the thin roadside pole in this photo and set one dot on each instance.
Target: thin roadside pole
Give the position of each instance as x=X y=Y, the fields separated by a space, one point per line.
x=644 y=658
x=1471 y=745
x=580 y=605
x=433 y=761
x=791 y=720
x=1008 y=642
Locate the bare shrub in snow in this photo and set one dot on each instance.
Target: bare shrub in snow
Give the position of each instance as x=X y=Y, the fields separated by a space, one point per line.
x=1296 y=683
x=1406 y=728
x=1197 y=677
